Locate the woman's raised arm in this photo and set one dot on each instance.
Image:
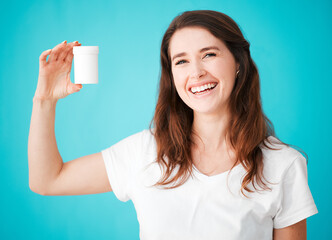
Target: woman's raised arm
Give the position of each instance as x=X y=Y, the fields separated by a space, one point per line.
x=48 y=175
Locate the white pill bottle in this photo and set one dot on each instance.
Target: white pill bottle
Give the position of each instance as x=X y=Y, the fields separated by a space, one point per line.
x=86 y=64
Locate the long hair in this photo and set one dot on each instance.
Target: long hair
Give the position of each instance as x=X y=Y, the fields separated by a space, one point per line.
x=248 y=127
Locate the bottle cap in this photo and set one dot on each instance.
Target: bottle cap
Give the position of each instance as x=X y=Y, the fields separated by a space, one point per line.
x=86 y=50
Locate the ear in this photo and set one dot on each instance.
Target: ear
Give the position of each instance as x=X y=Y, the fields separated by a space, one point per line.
x=237 y=66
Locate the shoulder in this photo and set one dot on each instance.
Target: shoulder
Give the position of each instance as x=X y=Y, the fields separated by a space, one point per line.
x=132 y=143
x=143 y=140
x=148 y=135
x=142 y=136
x=278 y=159
x=280 y=151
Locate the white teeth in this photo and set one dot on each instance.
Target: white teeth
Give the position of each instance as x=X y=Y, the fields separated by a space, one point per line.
x=202 y=88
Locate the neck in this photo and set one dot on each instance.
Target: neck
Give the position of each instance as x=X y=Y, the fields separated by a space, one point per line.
x=211 y=128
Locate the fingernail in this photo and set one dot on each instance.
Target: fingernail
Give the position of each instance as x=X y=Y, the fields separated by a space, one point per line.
x=65 y=41
x=76 y=42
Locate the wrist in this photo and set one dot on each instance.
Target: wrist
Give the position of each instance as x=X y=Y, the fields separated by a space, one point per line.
x=44 y=101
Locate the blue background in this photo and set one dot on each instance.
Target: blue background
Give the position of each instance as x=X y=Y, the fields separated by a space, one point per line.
x=290 y=43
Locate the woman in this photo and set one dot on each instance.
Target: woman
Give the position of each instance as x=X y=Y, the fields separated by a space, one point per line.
x=211 y=168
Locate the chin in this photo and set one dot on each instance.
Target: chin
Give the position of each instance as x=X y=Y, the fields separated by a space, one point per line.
x=205 y=111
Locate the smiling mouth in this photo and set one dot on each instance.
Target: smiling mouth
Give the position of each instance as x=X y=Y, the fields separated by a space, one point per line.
x=205 y=89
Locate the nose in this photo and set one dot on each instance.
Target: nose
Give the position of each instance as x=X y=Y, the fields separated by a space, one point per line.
x=197 y=71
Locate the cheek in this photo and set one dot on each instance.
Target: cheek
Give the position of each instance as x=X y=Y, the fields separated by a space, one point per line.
x=180 y=86
x=180 y=89
x=179 y=80
x=219 y=68
x=223 y=71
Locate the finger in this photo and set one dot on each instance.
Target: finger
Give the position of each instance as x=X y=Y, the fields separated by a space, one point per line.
x=57 y=50
x=74 y=87
x=62 y=56
x=43 y=56
x=70 y=54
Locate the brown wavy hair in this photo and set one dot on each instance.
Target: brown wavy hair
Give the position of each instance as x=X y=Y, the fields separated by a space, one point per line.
x=248 y=126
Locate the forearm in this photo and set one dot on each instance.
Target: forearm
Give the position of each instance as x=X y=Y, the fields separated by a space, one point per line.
x=45 y=161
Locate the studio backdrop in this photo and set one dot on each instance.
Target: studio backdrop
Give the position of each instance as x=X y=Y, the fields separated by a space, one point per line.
x=290 y=42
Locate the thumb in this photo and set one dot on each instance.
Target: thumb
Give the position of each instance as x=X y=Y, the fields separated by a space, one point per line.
x=74 y=88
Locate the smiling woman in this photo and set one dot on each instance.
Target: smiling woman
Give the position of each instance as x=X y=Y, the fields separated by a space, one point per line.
x=209 y=122
x=204 y=75
x=210 y=168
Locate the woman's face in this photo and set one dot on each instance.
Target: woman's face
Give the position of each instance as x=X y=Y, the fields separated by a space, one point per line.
x=203 y=69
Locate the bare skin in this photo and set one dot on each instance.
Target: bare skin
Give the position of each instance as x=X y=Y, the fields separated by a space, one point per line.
x=48 y=175
x=297 y=231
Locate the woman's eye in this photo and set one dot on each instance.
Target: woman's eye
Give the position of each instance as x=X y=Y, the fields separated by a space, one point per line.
x=183 y=61
x=210 y=54
x=180 y=62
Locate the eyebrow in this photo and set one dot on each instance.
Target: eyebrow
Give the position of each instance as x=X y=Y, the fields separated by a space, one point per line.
x=202 y=50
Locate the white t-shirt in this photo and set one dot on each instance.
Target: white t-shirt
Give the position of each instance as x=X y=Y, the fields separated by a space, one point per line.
x=205 y=207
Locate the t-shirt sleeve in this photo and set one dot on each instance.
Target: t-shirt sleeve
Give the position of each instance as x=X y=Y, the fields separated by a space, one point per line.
x=296 y=202
x=120 y=160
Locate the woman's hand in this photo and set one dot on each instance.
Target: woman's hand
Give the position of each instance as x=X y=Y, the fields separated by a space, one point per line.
x=54 y=75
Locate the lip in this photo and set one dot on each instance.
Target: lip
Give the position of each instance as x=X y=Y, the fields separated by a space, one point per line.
x=200 y=84
x=200 y=95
